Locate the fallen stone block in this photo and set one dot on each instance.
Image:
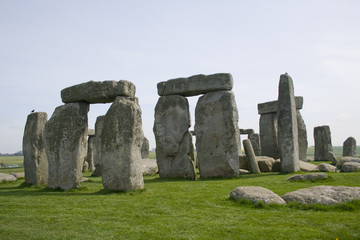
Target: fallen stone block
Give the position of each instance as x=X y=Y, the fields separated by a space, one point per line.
x=256 y=194
x=307 y=177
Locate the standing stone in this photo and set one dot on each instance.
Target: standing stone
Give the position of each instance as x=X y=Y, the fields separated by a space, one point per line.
x=217 y=135
x=303 y=143
x=322 y=138
x=333 y=158
x=250 y=155
x=255 y=142
x=85 y=167
x=121 y=141
x=97 y=146
x=269 y=135
x=287 y=126
x=66 y=145
x=35 y=160
x=349 y=147
x=173 y=139
x=145 y=148
x=90 y=153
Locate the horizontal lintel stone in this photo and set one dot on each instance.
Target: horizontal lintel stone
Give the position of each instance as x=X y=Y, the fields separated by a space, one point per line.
x=196 y=85
x=272 y=107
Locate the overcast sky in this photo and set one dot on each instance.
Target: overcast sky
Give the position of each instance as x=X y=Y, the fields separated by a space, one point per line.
x=46 y=46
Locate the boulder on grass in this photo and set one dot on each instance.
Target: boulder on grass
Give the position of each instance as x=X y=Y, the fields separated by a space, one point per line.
x=256 y=194
x=307 y=167
x=324 y=167
x=348 y=159
x=149 y=167
x=4 y=177
x=265 y=163
x=307 y=177
x=350 y=167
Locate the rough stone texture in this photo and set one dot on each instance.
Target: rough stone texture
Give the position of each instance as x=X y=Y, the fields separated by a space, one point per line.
x=250 y=155
x=149 y=167
x=4 y=177
x=348 y=159
x=121 y=141
x=18 y=175
x=287 y=126
x=217 y=135
x=307 y=167
x=66 y=145
x=272 y=107
x=98 y=92
x=173 y=140
x=145 y=148
x=91 y=132
x=195 y=85
x=99 y=124
x=307 y=177
x=246 y=131
x=265 y=163
x=269 y=135
x=350 y=167
x=333 y=158
x=255 y=142
x=90 y=153
x=322 y=138
x=276 y=167
x=326 y=195
x=324 y=167
x=35 y=159
x=85 y=167
x=243 y=162
x=349 y=147
x=302 y=136
x=256 y=194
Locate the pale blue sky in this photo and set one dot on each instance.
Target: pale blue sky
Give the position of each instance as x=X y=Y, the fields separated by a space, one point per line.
x=46 y=46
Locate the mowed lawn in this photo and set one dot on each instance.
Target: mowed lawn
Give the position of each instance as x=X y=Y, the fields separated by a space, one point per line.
x=172 y=209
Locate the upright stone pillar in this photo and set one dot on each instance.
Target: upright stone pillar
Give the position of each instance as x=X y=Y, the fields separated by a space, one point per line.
x=287 y=124
x=145 y=148
x=349 y=147
x=302 y=133
x=255 y=142
x=66 y=145
x=217 y=135
x=90 y=153
x=121 y=141
x=97 y=146
x=173 y=139
x=322 y=138
x=269 y=135
x=250 y=155
x=35 y=160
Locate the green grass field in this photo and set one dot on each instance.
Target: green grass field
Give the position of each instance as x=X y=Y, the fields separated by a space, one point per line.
x=172 y=209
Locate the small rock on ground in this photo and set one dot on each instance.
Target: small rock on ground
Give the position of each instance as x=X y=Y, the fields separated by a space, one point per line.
x=307 y=177
x=256 y=194
x=7 y=177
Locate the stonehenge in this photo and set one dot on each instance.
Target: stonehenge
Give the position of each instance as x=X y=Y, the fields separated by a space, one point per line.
x=322 y=138
x=349 y=147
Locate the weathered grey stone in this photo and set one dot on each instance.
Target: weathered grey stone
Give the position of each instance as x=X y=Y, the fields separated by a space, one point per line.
x=302 y=136
x=272 y=107
x=250 y=155
x=195 y=85
x=333 y=158
x=349 y=147
x=85 y=167
x=66 y=144
x=269 y=135
x=217 y=135
x=145 y=148
x=243 y=171
x=91 y=132
x=324 y=167
x=173 y=139
x=348 y=159
x=326 y=195
x=256 y=194
x=35 y=159
x=322 y=138
x=4 y=177
x=307 y=167
x=350 y=167
x=121 y=141
x=246 y=131
x=287 y=126
x=307 y=177
x=18 y=175
x=90 y=153
x=255 y=142
x=265 y=163
x=276 y=167
x=98 y=92
x=243 y=162
x=99 y=124
x=149 y=166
